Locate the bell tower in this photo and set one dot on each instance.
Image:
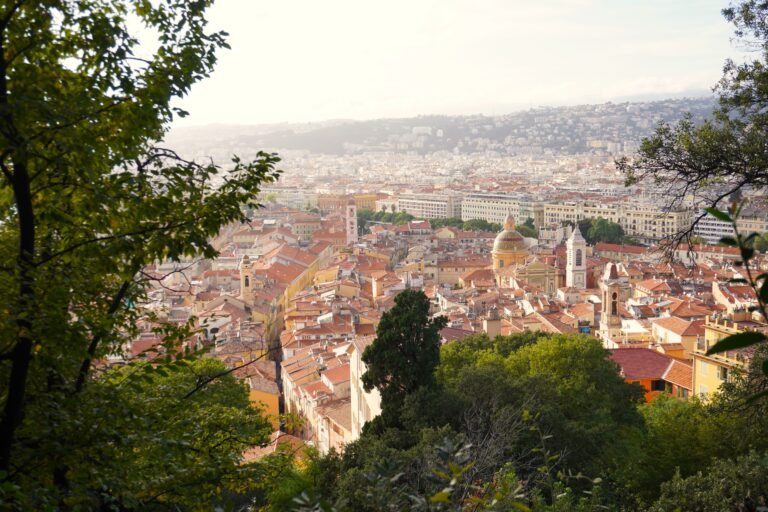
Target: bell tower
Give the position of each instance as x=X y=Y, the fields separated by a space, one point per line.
x=576 y=264
x=351 y=222
x=246 y=279
x=614 y=288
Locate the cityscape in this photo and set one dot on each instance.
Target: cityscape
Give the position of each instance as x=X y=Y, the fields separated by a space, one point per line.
x=311 y=276
x=376 y=297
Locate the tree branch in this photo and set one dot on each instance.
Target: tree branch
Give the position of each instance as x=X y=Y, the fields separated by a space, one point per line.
x=207 y=380
x=86 y=364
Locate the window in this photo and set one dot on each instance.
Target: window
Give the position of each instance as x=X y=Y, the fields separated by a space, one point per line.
x=614 y=304
x=247 y=282
x=722 y=373
x=578 y=257
x=658 y=385
x=703 y=368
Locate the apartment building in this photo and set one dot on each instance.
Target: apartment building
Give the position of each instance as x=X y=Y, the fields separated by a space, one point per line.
x=648 y=223
x=430 y=206
x=712 y=230
x=495 y=208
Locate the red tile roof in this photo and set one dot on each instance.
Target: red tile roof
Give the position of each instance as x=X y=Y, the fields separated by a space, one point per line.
x=680 y=373
x=641 y=363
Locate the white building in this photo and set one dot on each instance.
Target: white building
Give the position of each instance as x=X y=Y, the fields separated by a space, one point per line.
x=365 y=406
x=430 y=206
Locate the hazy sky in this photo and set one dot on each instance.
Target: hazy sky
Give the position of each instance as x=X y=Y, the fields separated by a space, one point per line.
x=305 y=60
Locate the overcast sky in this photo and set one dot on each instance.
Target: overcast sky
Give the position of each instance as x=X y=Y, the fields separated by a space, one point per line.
x=307 y=60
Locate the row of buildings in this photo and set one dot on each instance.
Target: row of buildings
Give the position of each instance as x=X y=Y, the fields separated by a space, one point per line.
x=300 y=295
x=643 y=220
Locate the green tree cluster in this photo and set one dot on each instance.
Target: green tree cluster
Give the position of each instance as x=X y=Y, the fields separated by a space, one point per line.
x=528 y=408
x=402 y=358
x=454 y=222
x=544 y=423
x=528 y=229
x=89 y=197
x=598 y=229
x=137 y=440
x=366 y=217
x=713 y=162
x=481 y=225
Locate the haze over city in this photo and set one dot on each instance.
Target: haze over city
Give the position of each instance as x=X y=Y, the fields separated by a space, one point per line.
x=400 y=256
x=298 y=61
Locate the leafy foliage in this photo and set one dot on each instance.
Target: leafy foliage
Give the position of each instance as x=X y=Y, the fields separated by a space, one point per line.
x=405 y=352
x=151 y=446
x=598 y=229
x=758 y=283
x=528 y=229
x=88 y=197
x=720 y=157
x=740 y=484
x=449 y=221
x=365 y=217
x=481 y=225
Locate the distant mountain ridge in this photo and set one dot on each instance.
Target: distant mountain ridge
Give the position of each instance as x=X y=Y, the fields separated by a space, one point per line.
x=607 y=127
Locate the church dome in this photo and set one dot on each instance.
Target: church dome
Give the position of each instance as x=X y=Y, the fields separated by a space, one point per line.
x=509 y=240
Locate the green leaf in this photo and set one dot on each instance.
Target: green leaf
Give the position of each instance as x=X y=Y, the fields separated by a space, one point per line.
x=723 y=216
x=440 y=497
x=757 y=396
x=729 y=241
x=736 y=341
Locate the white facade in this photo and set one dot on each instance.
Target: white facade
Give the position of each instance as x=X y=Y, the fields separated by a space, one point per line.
x=576 y=261
x=430 y=206
x=646 y=222
x=350 y=223
x=365 y=406
x=496 y=207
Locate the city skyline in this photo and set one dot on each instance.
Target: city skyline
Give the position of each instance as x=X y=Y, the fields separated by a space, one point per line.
x=302 y=62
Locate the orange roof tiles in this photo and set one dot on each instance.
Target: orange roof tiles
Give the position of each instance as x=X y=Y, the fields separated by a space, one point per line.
x=641 y=363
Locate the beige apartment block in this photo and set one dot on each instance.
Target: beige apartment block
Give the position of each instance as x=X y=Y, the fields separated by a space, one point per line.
x=430 y=206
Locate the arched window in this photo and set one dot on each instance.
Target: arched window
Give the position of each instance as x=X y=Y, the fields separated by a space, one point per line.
x=615 y=304
x=578 y=257
x=247 y=281
x=501 y=263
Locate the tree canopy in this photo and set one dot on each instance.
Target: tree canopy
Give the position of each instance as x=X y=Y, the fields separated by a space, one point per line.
x=88 y=197
x=481 y=225
x=405 y=352
x=598 y=229
x=717 y=159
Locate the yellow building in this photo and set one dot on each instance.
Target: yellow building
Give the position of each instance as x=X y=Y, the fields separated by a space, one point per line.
x=265 y=395
x=709 y=372
x=509 y=248
x=533 y=273
x=365 y=201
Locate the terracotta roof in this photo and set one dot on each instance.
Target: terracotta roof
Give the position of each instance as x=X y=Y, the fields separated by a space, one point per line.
x=626 y=249
x=680 y=326
x=452 y=334
x=340 y=412
x=337 y=375
x=641 y=363
x=316 y=387
x=365 y=329
x=280 y=440
x=679 y=373
x=654 y=285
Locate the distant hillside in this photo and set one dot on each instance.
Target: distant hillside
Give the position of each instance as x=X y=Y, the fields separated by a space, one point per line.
x=608 y=127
